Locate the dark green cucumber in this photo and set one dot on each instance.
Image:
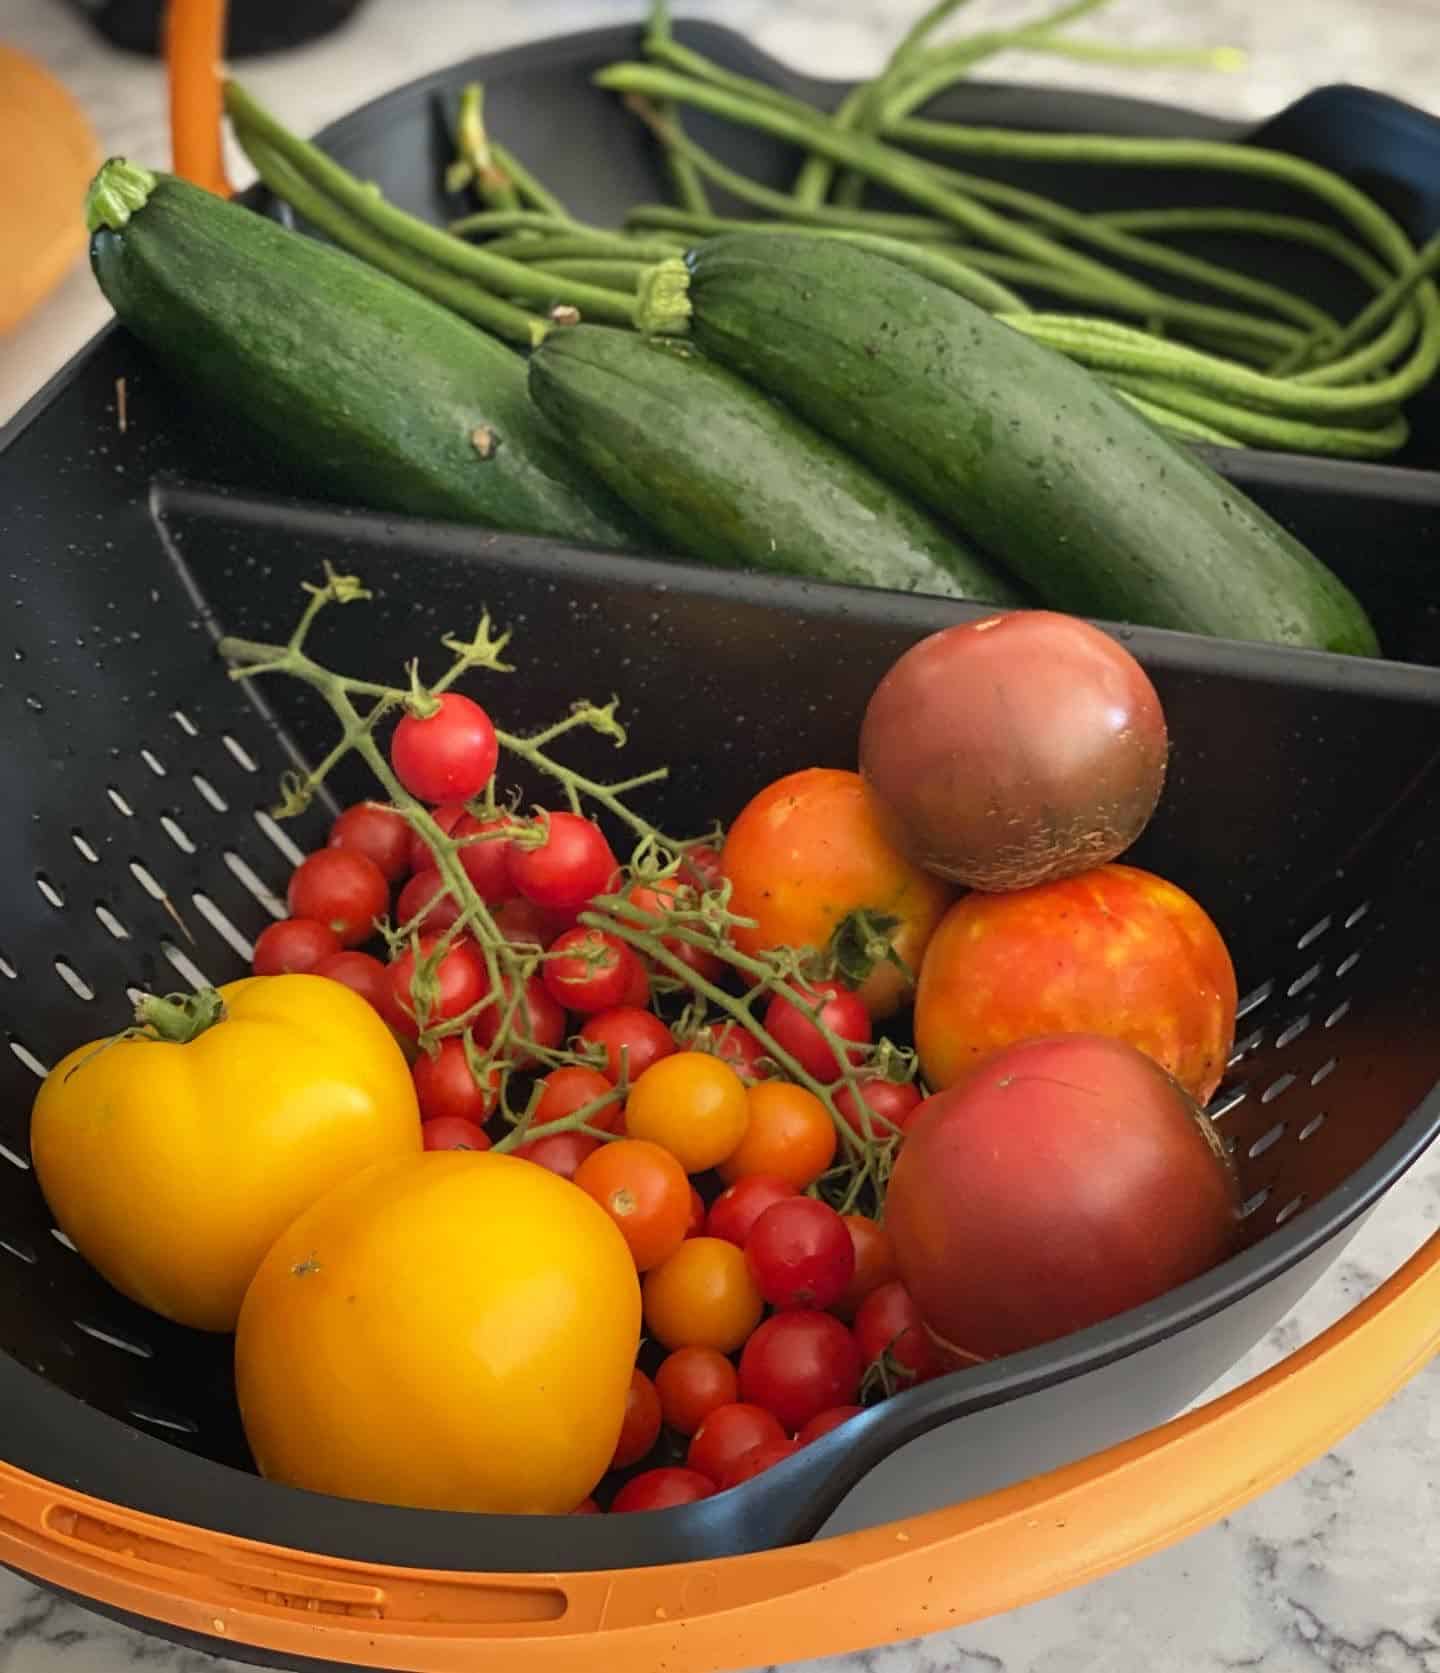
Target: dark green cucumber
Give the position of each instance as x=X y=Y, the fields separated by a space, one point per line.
x=374 y=392
x=1023 y=451
x=730 y=476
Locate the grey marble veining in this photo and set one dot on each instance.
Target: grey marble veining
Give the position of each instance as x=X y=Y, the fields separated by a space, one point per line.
x=1337 y=1571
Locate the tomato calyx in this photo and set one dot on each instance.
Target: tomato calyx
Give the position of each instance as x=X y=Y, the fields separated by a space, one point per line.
x=178 y=1018
x=863 y=941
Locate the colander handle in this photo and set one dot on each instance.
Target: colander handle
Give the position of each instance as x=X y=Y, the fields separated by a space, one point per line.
x=194 y=50
x=951 y=1566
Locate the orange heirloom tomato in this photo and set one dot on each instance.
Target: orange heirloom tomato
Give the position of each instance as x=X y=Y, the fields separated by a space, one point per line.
x=807 y=854
x=1114 y=951
x=702 y=1297
x=456 y=1331
x=691 y=1104
x=173 y=1163
x=790 y=1136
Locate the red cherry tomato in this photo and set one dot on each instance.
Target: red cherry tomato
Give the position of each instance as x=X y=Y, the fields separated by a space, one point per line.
x=701 y=867
x=587 y=1507
x=758 y=1458
x=874 y=1262
x=890 y=1105
x=842 y=1011
x=521 y=921
x=590 y=971
x=696 y=1223
x=631 y=1037
x=662 y=1490
x=452 y=1132
x=561 y=1153
x=641 y=1427
x=425 y=903
x=736 y=1046
x=823 y=1422
x=799 y=1364
x=665 y=896
x=536 y=1020
x=692 y=1383
x=573 y=863
x=294 y=946
x=362 y=973
x=447 y=756
x=563 y=1091
x=727 y=1434
x=800 y=1254
x=486 y=857
x=734 y=1212
x=889 y=1322
x=379 y=833
x=341 y=888
x=445 y=1086
x=447 y=816
x=458 y=981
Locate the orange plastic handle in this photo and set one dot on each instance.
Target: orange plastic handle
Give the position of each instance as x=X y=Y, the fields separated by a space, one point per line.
x=194 y=49
x=907 y=1578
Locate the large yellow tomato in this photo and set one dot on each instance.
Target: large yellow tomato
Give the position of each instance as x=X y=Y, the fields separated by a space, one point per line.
x=807 y=856
x=173 y=1164
x=452 y=1332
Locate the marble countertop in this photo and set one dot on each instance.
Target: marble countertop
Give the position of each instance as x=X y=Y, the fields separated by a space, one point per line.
x=1336 y=1570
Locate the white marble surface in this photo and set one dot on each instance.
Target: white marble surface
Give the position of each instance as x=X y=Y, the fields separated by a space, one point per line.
x=1337 y=1570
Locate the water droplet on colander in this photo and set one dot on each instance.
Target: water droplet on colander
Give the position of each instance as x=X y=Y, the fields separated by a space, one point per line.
x=33 y=703
x=19 y=654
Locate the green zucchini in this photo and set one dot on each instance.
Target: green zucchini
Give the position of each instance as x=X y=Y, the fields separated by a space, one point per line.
x=376 y=393
x=731 y=477
x=1026 y=453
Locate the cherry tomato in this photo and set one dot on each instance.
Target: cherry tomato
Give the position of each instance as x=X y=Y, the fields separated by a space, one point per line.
x=458 y=981
x=890 y=1105
x=563 y=1091
x=737 y=1208
x=666 y=896
x=641 y=1428
x=637 y=994
x=587 y=1507
x=561 y=1153
x=874 y=1262
x=843 y=1013
x=453 y=1132
x=789 y=1136
x=447 y=817
x=702 y=1297
x=889 y=1322
x=644 y=1191
x=736 y=1046
x=522 y=921
x=633 y=1040
x=447 y=756
x=701 y=867
x=590 y=971
x=426 y=903
x=362 y=973
x=691 y=1383
x=800 y=1254
x=693 y=1105
x=379 y=833
x=294 y=946
x=486 y=858
x=536 y=1020
x=445 y=1086
x=696 y=1223
x=759 y=1458
x=823 y=1422
x=727 y=1434
x=662 y=1490
x=340 y=888
x=573 y=863
x=800 y=1364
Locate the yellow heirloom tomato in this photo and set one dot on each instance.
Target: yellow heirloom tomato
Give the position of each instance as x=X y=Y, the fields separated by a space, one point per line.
x=173 y=1156
x=453 y=1332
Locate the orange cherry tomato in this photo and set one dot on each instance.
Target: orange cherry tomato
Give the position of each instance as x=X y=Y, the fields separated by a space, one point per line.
x=702 y=1297
x=874 y=1262
x=809 y=853
x=790 y=1135
x=1114 y=951
x=692 y=1383
x=641 y=1428
x=691 y=1104
x=644 y=1191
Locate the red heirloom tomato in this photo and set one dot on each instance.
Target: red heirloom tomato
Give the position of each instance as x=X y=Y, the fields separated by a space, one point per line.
x=810 y=854
x=1114 y=951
